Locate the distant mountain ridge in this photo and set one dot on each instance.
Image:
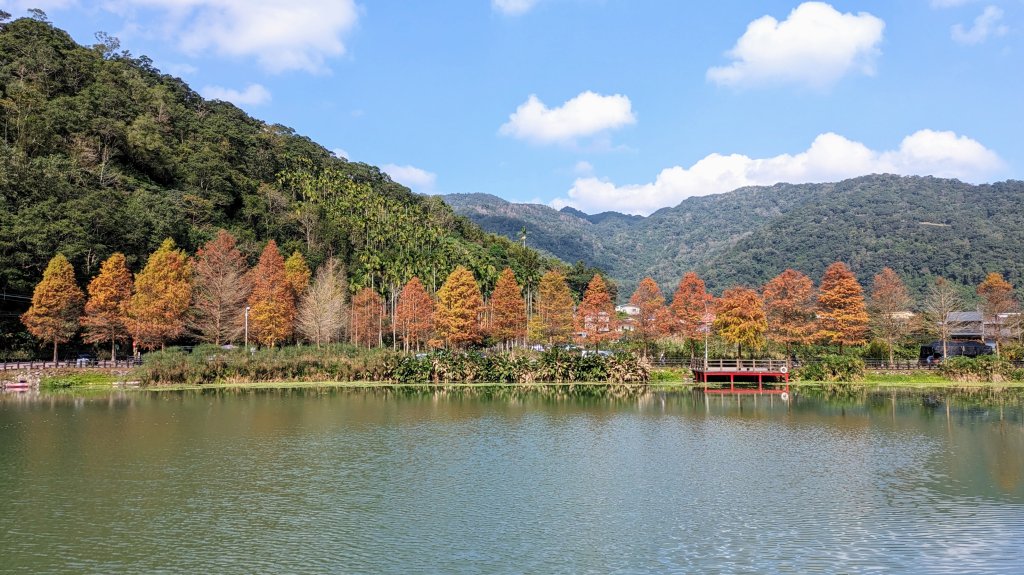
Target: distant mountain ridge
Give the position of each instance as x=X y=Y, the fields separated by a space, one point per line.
x=920 y=226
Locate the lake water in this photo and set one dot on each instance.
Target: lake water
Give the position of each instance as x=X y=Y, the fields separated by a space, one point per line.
x=310 y=481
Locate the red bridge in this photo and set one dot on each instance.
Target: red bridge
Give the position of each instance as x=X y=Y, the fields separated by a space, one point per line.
x=772 y=372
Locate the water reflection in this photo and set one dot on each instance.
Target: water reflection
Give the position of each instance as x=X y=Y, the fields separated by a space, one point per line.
x=329 y=479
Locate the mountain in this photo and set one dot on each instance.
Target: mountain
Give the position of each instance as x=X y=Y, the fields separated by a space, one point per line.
x=102 y=153
x=921 y=227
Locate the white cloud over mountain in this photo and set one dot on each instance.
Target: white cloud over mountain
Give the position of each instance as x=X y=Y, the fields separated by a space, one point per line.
x=252 y=95
x=280 y=34
x=417 y=179
x=830 y=157
x=587 y=114
x=815 y=46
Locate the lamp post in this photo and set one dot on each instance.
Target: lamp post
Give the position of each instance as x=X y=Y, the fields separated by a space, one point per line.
x=707 y=332
x=246 y=328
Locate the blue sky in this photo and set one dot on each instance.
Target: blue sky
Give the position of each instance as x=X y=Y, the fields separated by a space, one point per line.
x=604 y=104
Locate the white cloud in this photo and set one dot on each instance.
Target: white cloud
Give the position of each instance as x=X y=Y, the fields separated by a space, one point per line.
x=253 y=95
x=180 y=69
x=985 y=25
x=280 y=34
x=18 y=8
x=340 y=153
x=831 y=157
x=815 y=46
x=585 y=115
x=583 y=168
x=949 y=3
x=513 y=7
x=416 y=179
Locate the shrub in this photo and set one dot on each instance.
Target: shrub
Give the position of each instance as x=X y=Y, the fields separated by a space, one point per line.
x=832 y=368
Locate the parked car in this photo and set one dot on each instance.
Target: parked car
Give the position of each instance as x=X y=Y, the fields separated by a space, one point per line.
x=85 y=360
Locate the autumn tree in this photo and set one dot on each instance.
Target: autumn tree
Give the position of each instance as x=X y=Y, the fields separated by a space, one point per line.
x=789 y=304
x=552 y=321
x=272 y=299
x=653 y=321
x=163 y=292
x=106 y=311
x=296 y=271
x=740 y=318
x=220 y=288
x=508 y=310
x=367 y=318
x=690 y=303
x=941 y=302
x=56 y=304
x=459 y=306
x=842 y=313
x=414 y=315
x=889 y=304
x=996 y=298
x=322 y=314
x=596 y=313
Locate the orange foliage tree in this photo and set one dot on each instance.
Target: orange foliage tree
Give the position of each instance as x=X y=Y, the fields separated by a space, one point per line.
x=414 y=314
x=690 y=304
x=789 y=303
x=740 y=318
x=106 y=312
x=367 y=317
x=842 y=313
x=890 y=300
x=56 y=304
x=219 y=290
x=654 y=319
x=459 y=306
x=163 y=292
x=996 y=298
x=272 y=300
x=508 y=309
x=595 y=316
x=296 y=271
x=552 y=321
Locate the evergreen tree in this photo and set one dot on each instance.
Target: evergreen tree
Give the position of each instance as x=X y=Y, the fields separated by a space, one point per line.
x=596 y=314
x=459 y=306
x=414 y=315
x=163 y=291
x=56 y=304
x=842 y=313
x=508 y=309
x=106 y=311
x=740 y=318
x=272 y=300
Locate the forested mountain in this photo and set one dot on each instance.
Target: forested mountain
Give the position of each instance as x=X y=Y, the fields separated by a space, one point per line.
x=919 y=226
x=101 y=153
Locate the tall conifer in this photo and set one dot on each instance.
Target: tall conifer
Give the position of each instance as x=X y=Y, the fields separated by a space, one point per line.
x=106 y=312
x=459 y=307
x=842 y=313
x=163 y=291
x=272 y=300
x=56 y=304
x=508 y=309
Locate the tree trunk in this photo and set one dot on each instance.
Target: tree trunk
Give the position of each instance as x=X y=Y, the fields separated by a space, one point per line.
x=113 y=350
x=55 y=352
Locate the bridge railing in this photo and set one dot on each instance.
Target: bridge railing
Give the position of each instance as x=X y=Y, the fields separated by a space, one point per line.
x=754 y=365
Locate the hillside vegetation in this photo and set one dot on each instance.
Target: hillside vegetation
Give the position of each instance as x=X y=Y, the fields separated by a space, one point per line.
x=102 y=153
x=919 y=226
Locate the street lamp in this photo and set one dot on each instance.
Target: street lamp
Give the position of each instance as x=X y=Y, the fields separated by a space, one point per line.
x=246 y=328
x=707 y=332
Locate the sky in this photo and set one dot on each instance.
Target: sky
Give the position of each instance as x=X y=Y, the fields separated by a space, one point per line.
x=626 y=105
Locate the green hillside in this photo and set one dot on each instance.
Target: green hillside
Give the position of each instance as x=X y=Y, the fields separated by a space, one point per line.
x=919 y=226
x=100 y=152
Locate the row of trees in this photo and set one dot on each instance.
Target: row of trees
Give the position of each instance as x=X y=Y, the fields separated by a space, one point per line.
x=216 y=298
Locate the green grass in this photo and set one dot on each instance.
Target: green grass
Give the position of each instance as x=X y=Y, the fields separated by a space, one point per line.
x=82 y=379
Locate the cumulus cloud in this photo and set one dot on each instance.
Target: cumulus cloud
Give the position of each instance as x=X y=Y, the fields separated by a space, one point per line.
x=281 y=34
x=815 y=46
x=831 y=157
x=986 y=24
x=252 y=95
x=587 y=114
x=513 y=7
x=416 y=179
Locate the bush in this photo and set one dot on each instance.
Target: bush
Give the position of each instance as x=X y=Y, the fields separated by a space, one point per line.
x=986 y=368
x=832 y=368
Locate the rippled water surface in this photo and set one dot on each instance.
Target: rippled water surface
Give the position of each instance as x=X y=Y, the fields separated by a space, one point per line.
x=306 y=481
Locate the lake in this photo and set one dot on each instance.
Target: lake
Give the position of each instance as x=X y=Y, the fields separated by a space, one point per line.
x=376 y=481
